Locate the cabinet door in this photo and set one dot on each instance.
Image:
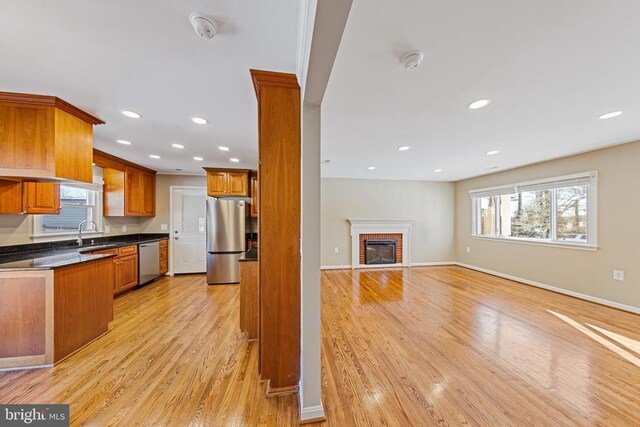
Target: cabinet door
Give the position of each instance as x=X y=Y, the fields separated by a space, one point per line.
x=148 y=194
x=126 y=273
x=217 y=183
x=254 y=196
x=238 y=184
x=11 y=197
x=133 y=192
x=41 y=197
x=164 y=256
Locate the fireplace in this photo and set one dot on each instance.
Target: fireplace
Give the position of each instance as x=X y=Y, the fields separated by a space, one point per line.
x=379 y=251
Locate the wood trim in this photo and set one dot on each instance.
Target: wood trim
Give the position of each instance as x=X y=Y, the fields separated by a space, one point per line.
x=23 y=362
x=281 y=391
x=272 y=78
x=102 y=159
x=248 y=171
x=52 y=101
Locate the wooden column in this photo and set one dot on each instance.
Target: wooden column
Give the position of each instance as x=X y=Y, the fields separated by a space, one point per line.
x=279 y=228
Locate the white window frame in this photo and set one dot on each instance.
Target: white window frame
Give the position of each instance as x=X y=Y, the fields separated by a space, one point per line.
x=592 y=212
x=36 y=220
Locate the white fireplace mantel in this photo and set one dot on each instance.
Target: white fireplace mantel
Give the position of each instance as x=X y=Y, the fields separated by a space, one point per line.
x=380 y=226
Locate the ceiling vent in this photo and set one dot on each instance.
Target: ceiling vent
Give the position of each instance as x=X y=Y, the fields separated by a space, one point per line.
x=412 y=60
x=203 y=25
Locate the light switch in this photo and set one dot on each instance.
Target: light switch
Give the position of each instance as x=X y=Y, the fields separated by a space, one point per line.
x=164 y=227
x=618 y=275
x=124 y=228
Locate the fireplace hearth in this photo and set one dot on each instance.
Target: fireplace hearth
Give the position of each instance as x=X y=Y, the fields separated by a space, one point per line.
x=379 y=251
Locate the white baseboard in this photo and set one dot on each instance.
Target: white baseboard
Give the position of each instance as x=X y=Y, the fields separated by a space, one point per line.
x=585 y=297
x=335 y=267
x=312 y=412
x=432 y=264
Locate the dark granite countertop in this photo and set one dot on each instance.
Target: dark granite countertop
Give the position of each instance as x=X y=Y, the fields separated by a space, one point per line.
x=250 y=256
x=44 y=256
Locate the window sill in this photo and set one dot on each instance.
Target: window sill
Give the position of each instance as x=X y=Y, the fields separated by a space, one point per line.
x=578 y=246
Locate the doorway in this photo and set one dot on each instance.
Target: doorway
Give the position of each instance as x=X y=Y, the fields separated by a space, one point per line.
x=188 y=230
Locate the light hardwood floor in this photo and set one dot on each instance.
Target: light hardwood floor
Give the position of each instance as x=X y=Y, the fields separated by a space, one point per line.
x=174 y=356
x=451 y=346
x=421 y=346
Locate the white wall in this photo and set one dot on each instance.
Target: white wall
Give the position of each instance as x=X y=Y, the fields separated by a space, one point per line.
x=430 y=204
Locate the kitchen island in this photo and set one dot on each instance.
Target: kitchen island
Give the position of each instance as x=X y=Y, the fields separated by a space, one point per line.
x=56 y=297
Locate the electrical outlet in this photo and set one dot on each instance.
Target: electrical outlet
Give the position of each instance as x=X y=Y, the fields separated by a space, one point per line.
x=164 y=227
x=124 y=228
x=336 y=250
x=107 y=229
x=468 y=249
x=618 y=275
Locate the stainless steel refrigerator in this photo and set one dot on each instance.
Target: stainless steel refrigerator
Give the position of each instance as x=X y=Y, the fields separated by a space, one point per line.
x=226 y=238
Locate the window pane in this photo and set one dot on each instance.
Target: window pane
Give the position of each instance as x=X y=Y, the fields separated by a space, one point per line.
x=68 y=219
x=572 y=214
x=526 y=214
x=72 y=195
x=487 y=218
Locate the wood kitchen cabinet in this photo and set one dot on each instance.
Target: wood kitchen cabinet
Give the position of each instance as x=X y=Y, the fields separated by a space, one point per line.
x=44 y=138
x=164 y=256
x=125 y=265
x=125 y=273
x=129 y=189
x=29 y=197
x=227 y=182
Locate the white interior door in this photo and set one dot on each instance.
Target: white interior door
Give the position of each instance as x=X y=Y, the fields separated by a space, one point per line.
x=189 y=230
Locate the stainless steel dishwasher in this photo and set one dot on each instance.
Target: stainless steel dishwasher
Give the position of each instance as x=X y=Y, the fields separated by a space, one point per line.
x=149 y=262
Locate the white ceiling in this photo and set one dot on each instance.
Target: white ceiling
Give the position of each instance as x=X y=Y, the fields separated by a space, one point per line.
x=550 y=68
x=143 y=55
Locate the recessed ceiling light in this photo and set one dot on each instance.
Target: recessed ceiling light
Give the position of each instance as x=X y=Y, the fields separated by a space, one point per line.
x=124 y=142
x=234 y=160
x=610 y=115
x=480 y=103
x=223 y=148
x=491 y=168
x=437 y=170
x=131 y=114
x=154 y=156
x=199 y=120
x=405 y=148
x=198 y=158
x=177 y=145
x=371 y=168
x=492 y=152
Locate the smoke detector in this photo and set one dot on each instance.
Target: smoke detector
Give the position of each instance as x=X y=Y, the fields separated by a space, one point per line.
x=203 y=25
x=412 y=60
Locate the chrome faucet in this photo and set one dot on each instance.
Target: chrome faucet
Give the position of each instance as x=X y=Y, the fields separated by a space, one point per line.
x=95 y=227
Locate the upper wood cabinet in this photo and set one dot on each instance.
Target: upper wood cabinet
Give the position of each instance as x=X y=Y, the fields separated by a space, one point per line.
x=129 y=189
x=227 y=182
x=44 y=137
x=29 y=197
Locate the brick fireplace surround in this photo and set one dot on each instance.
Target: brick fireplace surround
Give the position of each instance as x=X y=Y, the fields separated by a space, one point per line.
x=398 y=229
x=396 y=236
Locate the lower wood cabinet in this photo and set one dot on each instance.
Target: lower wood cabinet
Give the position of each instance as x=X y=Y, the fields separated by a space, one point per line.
x=125 y=267
x=125 y=273
x=164 y=256
x=249 y=299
